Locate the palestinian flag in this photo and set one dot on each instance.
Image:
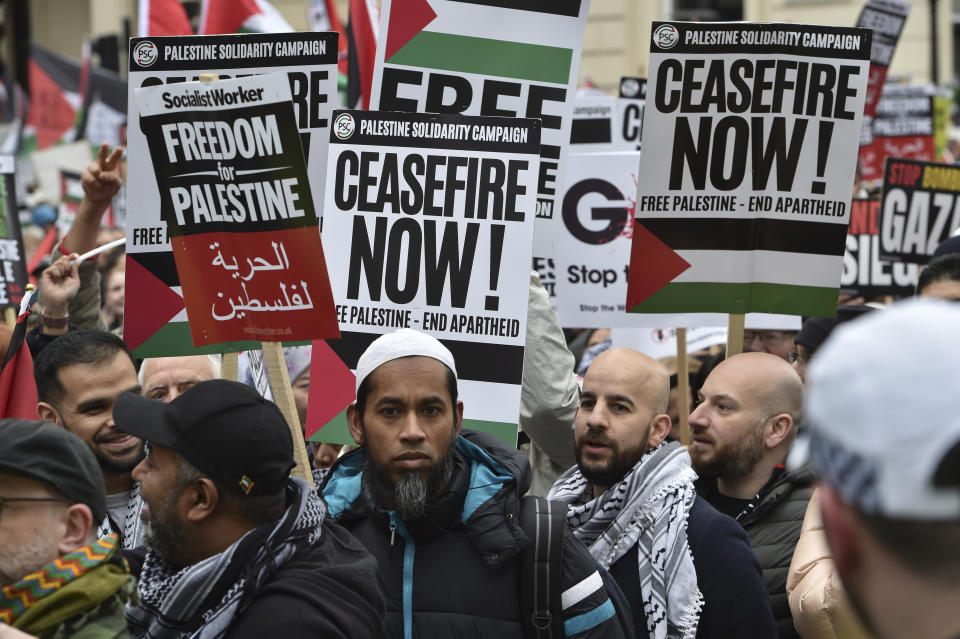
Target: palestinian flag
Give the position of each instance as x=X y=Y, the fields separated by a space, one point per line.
x=241 y=16
x=55 y=99
x=18 y=390
x=735 y=265
x=162 y=18
x=362 y=49
x=71 y=189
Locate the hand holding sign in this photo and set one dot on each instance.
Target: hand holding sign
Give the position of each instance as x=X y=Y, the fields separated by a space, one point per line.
x=101 y=179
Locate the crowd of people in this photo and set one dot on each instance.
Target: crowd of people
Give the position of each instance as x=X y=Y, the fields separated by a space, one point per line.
x=818 y=496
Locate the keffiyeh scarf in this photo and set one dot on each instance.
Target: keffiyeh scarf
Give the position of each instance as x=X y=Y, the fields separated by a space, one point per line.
x=201 y=601
x=649 y=508
x=130 y=528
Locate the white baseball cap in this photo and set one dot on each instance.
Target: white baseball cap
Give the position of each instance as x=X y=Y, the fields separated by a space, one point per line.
x=883 y=412
x=404 y=342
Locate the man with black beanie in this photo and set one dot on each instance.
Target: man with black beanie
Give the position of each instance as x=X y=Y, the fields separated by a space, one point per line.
x=56 y=577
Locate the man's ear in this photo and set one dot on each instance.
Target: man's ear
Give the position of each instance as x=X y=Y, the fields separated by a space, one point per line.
x=842 y=528
x=458 y=425
x=354 y=424
x=199 y=498
x=659 y=429
x=48 y=413
x=779 y=427
x=78 y=522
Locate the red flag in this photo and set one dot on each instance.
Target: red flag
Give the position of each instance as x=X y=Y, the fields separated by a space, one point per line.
x=162 y=18
x=362 y=34
x=18 y=390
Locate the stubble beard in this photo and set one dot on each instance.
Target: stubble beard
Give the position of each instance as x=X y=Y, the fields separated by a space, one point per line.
x=620 y=463
x=736 y=459
x=162 y=533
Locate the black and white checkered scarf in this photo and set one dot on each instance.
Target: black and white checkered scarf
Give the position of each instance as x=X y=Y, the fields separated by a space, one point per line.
x=649 y=508
x=130 y=529
x=201 y=601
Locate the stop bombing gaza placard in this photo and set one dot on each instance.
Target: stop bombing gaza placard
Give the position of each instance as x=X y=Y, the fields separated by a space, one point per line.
x=155 y=318
x=750 y=135
x=921 y=209
x=236 y=202
x=864 y=273
x=428 y=224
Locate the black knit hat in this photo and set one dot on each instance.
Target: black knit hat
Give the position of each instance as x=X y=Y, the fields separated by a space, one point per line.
x=816 y=330
x=224 y=428
x=53 y=455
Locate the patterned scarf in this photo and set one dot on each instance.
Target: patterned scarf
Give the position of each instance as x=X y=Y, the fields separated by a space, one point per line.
x=202 y=600
x=131 y=526
x=649 y=508
x=17 y=598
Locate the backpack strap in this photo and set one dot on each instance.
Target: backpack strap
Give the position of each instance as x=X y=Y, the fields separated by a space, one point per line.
x=541 y=568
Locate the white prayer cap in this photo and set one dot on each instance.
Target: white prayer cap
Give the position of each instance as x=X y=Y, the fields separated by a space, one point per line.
x=405 y=342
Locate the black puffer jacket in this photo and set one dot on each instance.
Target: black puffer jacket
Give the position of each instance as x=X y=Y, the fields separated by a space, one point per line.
x=454 y=573
x=772 y=523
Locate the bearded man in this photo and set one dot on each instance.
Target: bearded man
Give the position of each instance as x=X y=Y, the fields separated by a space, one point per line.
x=684 y=567
x=742 y=430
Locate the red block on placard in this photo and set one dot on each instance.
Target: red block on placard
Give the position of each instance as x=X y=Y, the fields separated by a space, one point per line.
x=338 y=389
x=406 y=21
x=653 y=265
x=148 y=304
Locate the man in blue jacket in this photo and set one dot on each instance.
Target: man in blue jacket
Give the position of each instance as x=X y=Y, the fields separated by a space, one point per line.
x=684 y=567
x=439 y=507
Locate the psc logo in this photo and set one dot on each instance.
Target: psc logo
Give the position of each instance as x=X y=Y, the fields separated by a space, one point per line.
x=666 y=36
x=146 y=53
x=344 y=126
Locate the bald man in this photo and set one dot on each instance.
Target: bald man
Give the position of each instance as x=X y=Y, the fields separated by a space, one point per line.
x=165 y=378
x=743 y=428
x=631 y=500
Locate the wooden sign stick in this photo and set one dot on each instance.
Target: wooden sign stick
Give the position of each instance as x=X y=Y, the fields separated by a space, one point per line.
x=10 y=316
x=229 y=366
x=735 y=333
x=683 y=387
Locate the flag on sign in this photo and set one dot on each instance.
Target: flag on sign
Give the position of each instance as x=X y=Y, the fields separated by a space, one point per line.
x=18 y=390
x=241 y=16
x=162 y=18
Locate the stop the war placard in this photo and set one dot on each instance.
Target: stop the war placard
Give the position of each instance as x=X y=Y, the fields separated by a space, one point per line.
x=13 y=269
x=155 y=318
x=236 y=203
x=511 y=58
x=428 y=224
x=750 y=135
x=920 y=209
x=864 y=273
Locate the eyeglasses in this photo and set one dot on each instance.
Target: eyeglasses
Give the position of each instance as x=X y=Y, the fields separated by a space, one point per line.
x=770 y=338
x=4 y=500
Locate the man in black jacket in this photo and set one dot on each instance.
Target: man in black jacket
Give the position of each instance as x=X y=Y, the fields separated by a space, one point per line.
x=742 y=430
x=439 y=507
x=683 y=566
x=238 y=548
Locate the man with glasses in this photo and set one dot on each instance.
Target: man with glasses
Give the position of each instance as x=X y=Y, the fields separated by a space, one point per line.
x=778 y=343
x=56 y=577
x=743 y=428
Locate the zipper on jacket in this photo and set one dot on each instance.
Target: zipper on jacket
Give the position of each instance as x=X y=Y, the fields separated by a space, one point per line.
x=408 y=553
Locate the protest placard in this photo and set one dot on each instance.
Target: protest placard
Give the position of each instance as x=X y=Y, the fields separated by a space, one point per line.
x=13 y=270
x=595 y=126
x=864 y=273
x=886 y=19
x=920 y=209
x=155 y=319
x=662 y=342
x=439 y=57
x=429 y=225
x=744 y=204
x=903 y=127
x=630 y=105
x=237 y=208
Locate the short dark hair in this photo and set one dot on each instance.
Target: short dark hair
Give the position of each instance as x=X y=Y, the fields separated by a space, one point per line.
x=928 y=548
x=93 y=348
x=944 y=267
x=256 y=509
x=365 y=388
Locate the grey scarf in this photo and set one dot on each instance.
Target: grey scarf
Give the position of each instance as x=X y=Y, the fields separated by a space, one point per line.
x=649 y=508
x=187 y=602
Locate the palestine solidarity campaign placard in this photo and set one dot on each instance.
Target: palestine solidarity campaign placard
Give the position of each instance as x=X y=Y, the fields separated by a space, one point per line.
x=428 y=224
x=237 y=205
x=750 y=140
